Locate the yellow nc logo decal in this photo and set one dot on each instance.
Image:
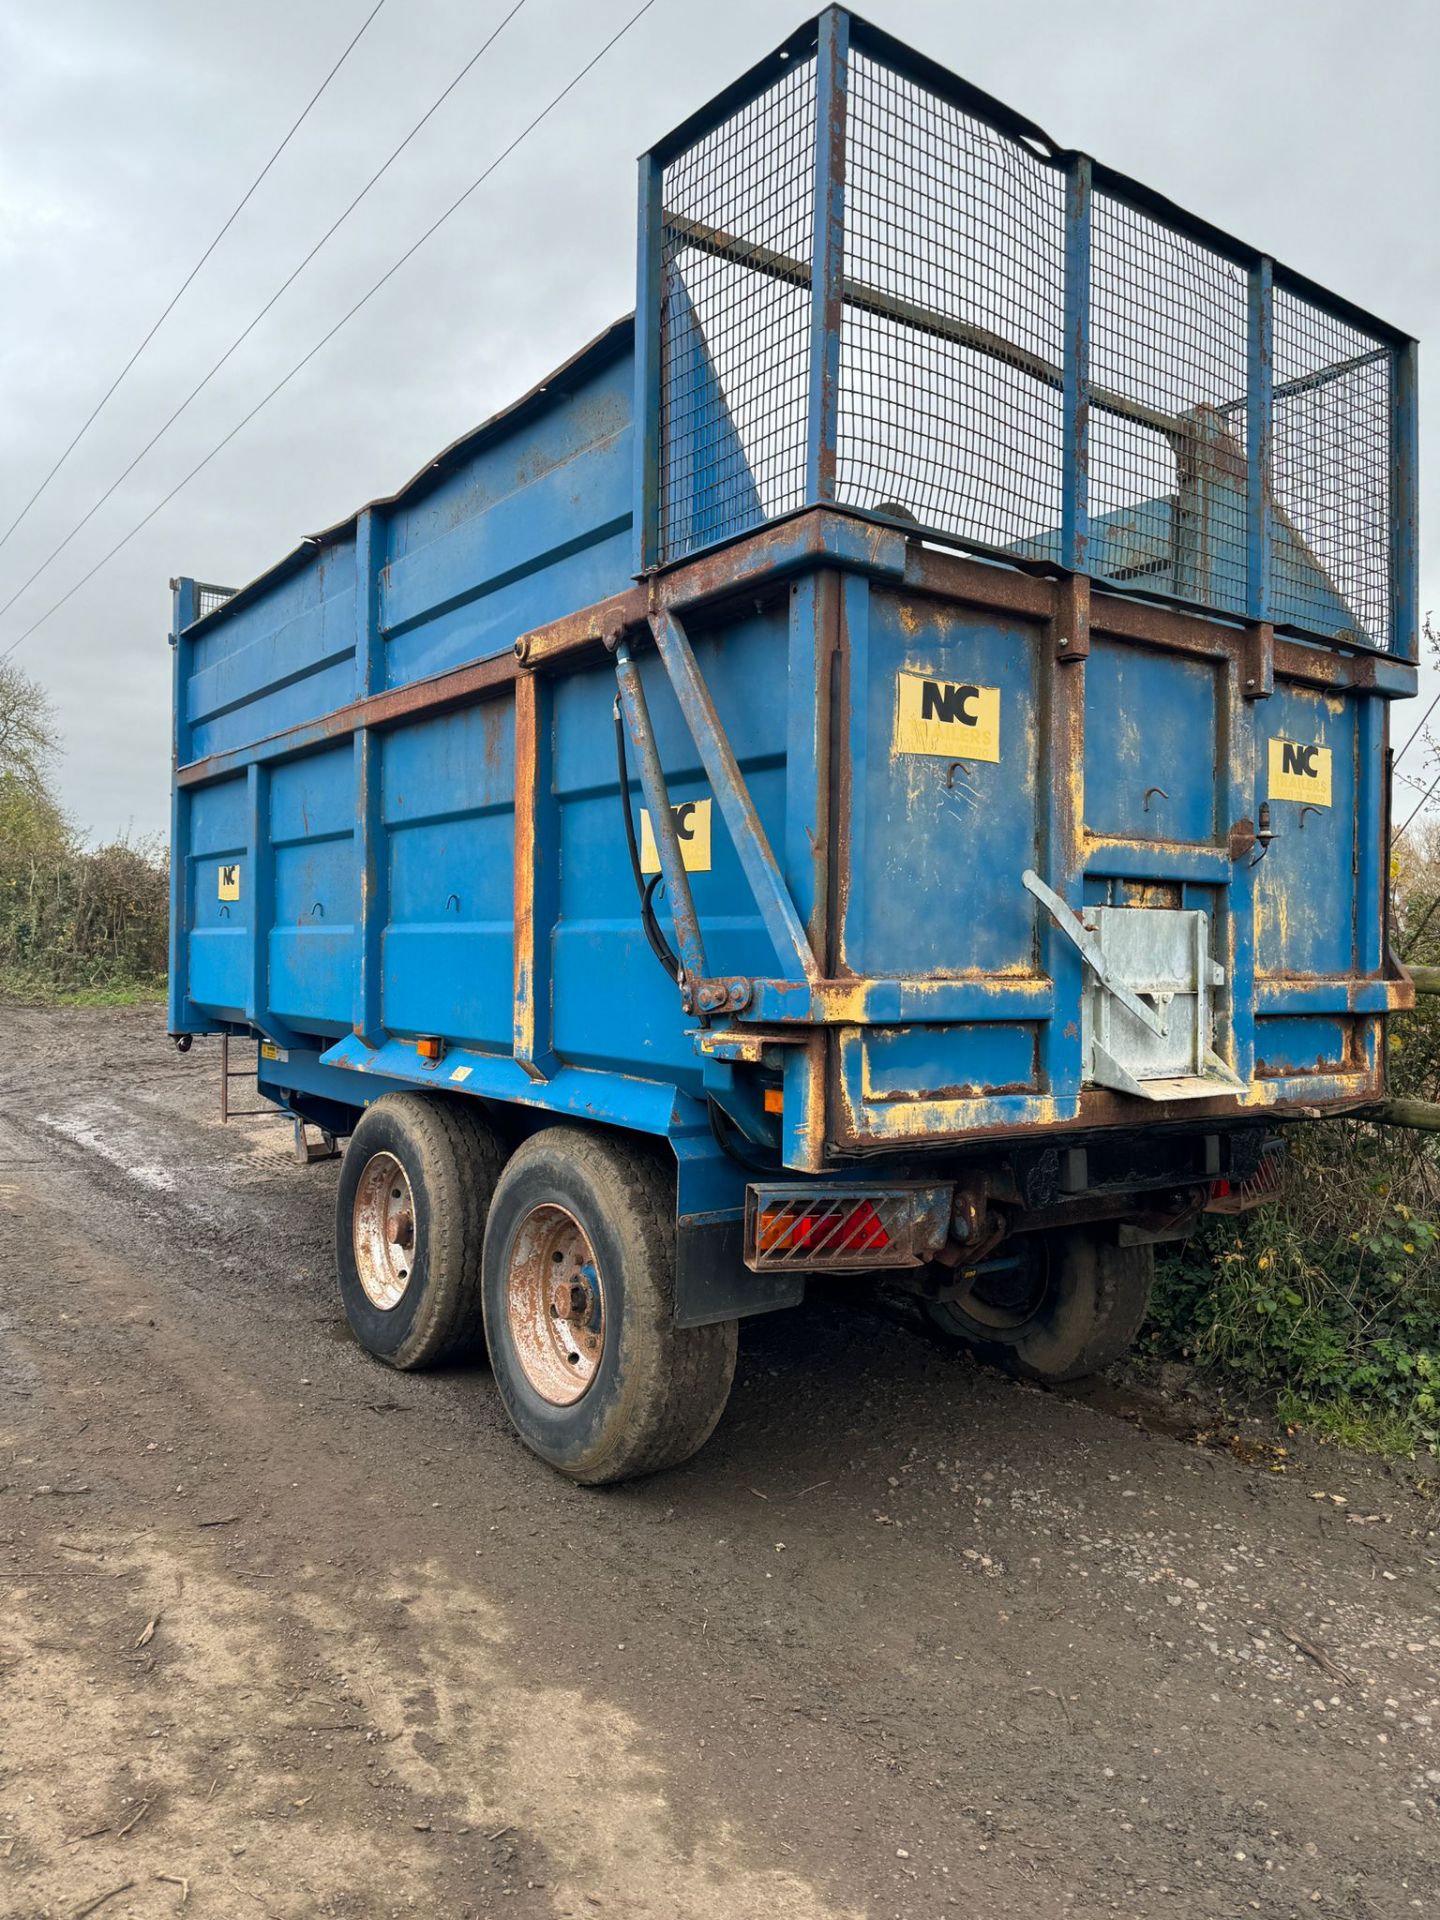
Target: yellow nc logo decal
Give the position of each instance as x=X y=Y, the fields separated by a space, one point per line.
x=1299 y=772
x=692 y=830
x=952 y=718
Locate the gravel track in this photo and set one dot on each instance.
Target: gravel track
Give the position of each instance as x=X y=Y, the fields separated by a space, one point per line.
x=307 y=1637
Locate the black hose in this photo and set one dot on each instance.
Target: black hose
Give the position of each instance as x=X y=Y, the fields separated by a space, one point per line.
x=741 y=1153
x=654 y=934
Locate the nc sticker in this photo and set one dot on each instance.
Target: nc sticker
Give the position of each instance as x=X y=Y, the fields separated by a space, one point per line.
x=1299 y=772
x=951 y=718
x=229 y=888
x=692 y=830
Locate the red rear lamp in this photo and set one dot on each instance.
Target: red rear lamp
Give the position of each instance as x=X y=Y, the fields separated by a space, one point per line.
x=856 y=1229
x=810 y=1228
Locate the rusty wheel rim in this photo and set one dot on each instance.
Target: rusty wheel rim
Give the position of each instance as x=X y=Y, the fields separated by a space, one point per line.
x=384 y=1231
x=555 y=1305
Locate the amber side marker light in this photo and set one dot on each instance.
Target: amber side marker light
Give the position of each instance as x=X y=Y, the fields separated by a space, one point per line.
x=774 y=1099
x=430 y=1048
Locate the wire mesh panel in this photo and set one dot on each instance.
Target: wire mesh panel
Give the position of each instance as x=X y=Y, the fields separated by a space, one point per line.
x=1331 y=466
x=953 y=334
x=1018 y=350
x=208 y=599
x=737 y=236
x=1168 y=370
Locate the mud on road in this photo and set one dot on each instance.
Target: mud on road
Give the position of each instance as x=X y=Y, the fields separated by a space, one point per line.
x=284 y=1633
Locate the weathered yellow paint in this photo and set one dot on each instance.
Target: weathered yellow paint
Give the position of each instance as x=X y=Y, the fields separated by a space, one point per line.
x=953 y=719
x=1300 y=771
x=692 y=829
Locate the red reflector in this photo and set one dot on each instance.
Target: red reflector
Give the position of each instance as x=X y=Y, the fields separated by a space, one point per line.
x=860 y=1230
x=863 y=1231
x=1219 y=1189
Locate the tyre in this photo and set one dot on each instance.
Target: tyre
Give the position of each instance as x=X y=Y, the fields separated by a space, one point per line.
x=415 y=1187
x=579 y=1287
x=1053 y=1307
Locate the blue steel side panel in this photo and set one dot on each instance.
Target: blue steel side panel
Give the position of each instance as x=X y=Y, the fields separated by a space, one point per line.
x=951 y=1062
x=315 y=883
x=1305 y=885
x=448 y=811
x=1285 y=1047
x=282 y=660
x=220 y=930
x=937 y=887
x=614 y=1007
x=535 y=526
x=1151 y=752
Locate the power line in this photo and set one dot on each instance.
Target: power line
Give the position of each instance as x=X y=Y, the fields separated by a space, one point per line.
x=344 y=320
x=180 y=291
x=1429 y=792
x=1416 y=734
x=243 y=336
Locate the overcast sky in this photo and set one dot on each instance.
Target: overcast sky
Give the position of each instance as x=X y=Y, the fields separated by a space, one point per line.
x=129 y=128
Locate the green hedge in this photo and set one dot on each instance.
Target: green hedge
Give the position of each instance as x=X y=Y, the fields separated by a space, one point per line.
x=86 y=923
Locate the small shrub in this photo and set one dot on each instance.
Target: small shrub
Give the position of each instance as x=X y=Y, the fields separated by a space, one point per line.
x=82 y=921
x=1329 y=1300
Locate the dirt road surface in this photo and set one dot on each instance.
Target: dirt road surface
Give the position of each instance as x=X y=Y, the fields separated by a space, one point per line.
x=283 y=1633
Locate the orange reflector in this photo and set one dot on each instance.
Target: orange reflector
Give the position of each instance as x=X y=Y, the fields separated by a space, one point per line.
x=430 y=1048
x=774 y=1099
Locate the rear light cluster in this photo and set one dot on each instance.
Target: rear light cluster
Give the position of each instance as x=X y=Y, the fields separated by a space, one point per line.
x=1230 y=1196
x=814 y=1228
x=848 y=1229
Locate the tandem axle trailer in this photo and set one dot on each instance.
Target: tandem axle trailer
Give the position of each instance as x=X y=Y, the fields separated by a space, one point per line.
x=878 y=764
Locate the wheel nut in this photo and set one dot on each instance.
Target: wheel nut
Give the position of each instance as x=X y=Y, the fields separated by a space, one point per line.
x=400 y=1230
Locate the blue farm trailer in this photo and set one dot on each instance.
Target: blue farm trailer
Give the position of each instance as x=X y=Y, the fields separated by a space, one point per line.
x=878 y=763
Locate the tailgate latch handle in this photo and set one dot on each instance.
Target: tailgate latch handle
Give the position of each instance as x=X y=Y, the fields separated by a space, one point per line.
x=1074 y=928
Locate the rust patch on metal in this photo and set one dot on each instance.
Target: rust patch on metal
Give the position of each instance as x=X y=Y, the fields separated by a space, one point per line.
x=1242 y=839
x=972 y=583
x=527 y=765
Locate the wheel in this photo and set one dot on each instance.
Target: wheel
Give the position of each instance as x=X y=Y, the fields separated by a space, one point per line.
x=579 y=1286
x=1053 y=1307
x=415 y=1186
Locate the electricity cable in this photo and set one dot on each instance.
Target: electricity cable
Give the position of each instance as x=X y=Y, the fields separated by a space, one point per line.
x=279 y=292
x=1429 y=794
x=1415 y=735
x=185 y=284
x=344 y=320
